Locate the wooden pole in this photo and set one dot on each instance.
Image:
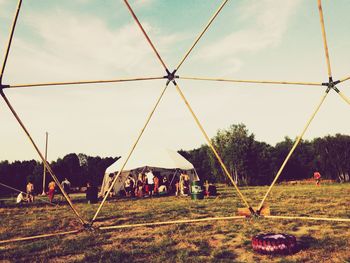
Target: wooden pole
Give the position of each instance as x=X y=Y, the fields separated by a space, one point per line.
x=130 y=152
x=40 y=155
x=145 y=34
x=28 y=85
x=254 y=81
x=12 y=31
x=201 y=34
x=44 y=172
x=293 y=148
x=212 y=147
x=324 y=39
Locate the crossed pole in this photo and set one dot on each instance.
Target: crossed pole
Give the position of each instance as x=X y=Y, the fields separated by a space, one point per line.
x=171 y=77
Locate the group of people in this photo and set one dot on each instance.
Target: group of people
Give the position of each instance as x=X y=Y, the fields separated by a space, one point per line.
x=148 y=184
x=28 y=197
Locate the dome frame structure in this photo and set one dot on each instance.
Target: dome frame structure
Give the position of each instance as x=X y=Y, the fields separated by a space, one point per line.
x=171 y=76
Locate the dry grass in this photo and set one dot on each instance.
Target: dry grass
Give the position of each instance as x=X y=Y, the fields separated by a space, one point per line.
x=218 y=241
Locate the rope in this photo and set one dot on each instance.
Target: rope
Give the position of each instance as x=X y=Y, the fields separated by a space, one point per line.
x=39 y=236
x=344 y=97
x=10 y=39
x=83 y=82
x=172 y=222
x=130 y=153
x=202 y=33
x=41 y=156
x=310 y=218
x=19 y=191
x=145 y=34
x=211 y=146
x=254 y=81
x=324 y=39
x=293 y=148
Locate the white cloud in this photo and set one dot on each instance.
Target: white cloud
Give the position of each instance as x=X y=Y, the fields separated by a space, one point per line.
x=263 y=25
x=69 y=45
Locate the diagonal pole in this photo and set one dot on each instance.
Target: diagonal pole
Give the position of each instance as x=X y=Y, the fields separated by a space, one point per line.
x=344 y=79
x=41 y=156
x=12 y=31
x=324 y=37
x=28 y=85
x=211 y=146
x=201 y=34
x=296 y=143
x=130 y=152
x=145 y=34
x=344 y=97
x=253 y=81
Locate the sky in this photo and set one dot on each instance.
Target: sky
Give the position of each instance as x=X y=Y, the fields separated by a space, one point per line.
x=62 y=40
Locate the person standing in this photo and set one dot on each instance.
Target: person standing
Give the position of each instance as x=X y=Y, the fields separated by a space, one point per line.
x=150 y=182
x=30 y=192
x=66 y=186
x=52 y=188
x=156 y=184
x=317 y=177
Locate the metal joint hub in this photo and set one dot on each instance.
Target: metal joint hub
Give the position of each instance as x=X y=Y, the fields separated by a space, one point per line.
x=331 y=84
x=171 y=76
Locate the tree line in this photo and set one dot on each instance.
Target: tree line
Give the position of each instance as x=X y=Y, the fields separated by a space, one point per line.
x=249 y=162
x=78 y=168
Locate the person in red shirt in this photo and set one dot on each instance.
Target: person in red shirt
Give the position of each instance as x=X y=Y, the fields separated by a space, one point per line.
x=317 y=177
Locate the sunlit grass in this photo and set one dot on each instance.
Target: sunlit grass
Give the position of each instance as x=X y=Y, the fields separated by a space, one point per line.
x=216 y=241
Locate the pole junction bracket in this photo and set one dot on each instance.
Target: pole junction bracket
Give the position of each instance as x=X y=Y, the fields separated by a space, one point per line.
x=171 y=76
x=331 y=85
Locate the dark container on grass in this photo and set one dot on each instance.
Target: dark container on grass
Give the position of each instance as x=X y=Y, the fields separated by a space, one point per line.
x=197 y=190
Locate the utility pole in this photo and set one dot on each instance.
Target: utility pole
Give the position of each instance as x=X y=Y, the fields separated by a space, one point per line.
x=44 y=174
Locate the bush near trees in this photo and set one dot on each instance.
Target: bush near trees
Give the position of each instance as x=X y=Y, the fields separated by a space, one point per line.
x=249 y=161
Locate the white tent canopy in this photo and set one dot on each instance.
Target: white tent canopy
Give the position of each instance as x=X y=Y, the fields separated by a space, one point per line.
x=156 y=158
x=161 y=159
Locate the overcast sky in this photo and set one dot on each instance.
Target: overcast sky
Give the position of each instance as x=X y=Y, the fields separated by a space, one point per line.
x=63 y=40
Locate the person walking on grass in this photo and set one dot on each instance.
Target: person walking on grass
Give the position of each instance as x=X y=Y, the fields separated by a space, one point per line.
x=52 y=188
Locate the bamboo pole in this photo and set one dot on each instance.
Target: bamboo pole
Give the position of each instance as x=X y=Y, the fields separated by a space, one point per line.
x=171 y=222
x=344 y=79
x=201 y=34
x=38 y=237
x=44 y=172
x=82 y=82
x=324 y=39
x=344 y=97
x=145 y=34
x=19 y=191
x=253 y=81
x=41 y=156
x=130 y=152
x=309 y=218
x=212 y=147
x=12 y=31
x=293 y=148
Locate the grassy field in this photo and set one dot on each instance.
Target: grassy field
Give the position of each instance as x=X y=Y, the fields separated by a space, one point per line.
x=215 y=241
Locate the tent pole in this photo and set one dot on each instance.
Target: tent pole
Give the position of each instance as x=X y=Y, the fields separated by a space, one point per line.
x=44 y=172
x=130 y=152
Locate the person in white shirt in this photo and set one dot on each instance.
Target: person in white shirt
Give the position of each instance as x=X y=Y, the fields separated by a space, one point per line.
x=150 y=182
x=21 y=198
